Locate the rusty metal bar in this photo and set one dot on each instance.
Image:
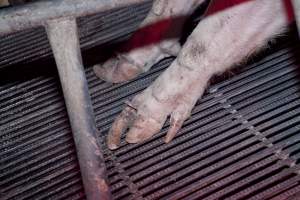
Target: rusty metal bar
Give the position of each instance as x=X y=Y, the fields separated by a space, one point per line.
x=63 y=37
x=38 y=13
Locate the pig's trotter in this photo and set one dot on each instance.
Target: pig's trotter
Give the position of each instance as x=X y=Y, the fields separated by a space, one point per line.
x=173 y=94
x=217 y=43
x=157 y=38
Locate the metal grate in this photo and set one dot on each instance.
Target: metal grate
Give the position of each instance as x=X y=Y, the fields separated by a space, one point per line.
x=242 y=141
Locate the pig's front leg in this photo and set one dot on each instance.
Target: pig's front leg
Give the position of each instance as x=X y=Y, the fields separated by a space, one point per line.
x=157 y=37
x=218 y=42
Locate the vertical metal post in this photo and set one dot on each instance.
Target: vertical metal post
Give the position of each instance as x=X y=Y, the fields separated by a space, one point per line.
x=63 y=37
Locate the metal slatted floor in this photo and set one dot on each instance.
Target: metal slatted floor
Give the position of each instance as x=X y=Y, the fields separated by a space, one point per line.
x=242 y=141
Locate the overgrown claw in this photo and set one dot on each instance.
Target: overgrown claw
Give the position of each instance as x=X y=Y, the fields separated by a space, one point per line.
x=120 y=125
x=175 y=126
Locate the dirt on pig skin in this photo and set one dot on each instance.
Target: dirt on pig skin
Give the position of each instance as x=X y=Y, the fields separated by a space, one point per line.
x=230 y=32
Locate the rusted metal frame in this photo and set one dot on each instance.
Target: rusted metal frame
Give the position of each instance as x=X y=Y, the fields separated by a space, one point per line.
x=296 y=5
x=35 y=14
x=59 y=19
x=63 y=37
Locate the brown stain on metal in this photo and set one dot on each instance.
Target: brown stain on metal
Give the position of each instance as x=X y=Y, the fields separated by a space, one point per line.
x=101 y=184
x=98 y=153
